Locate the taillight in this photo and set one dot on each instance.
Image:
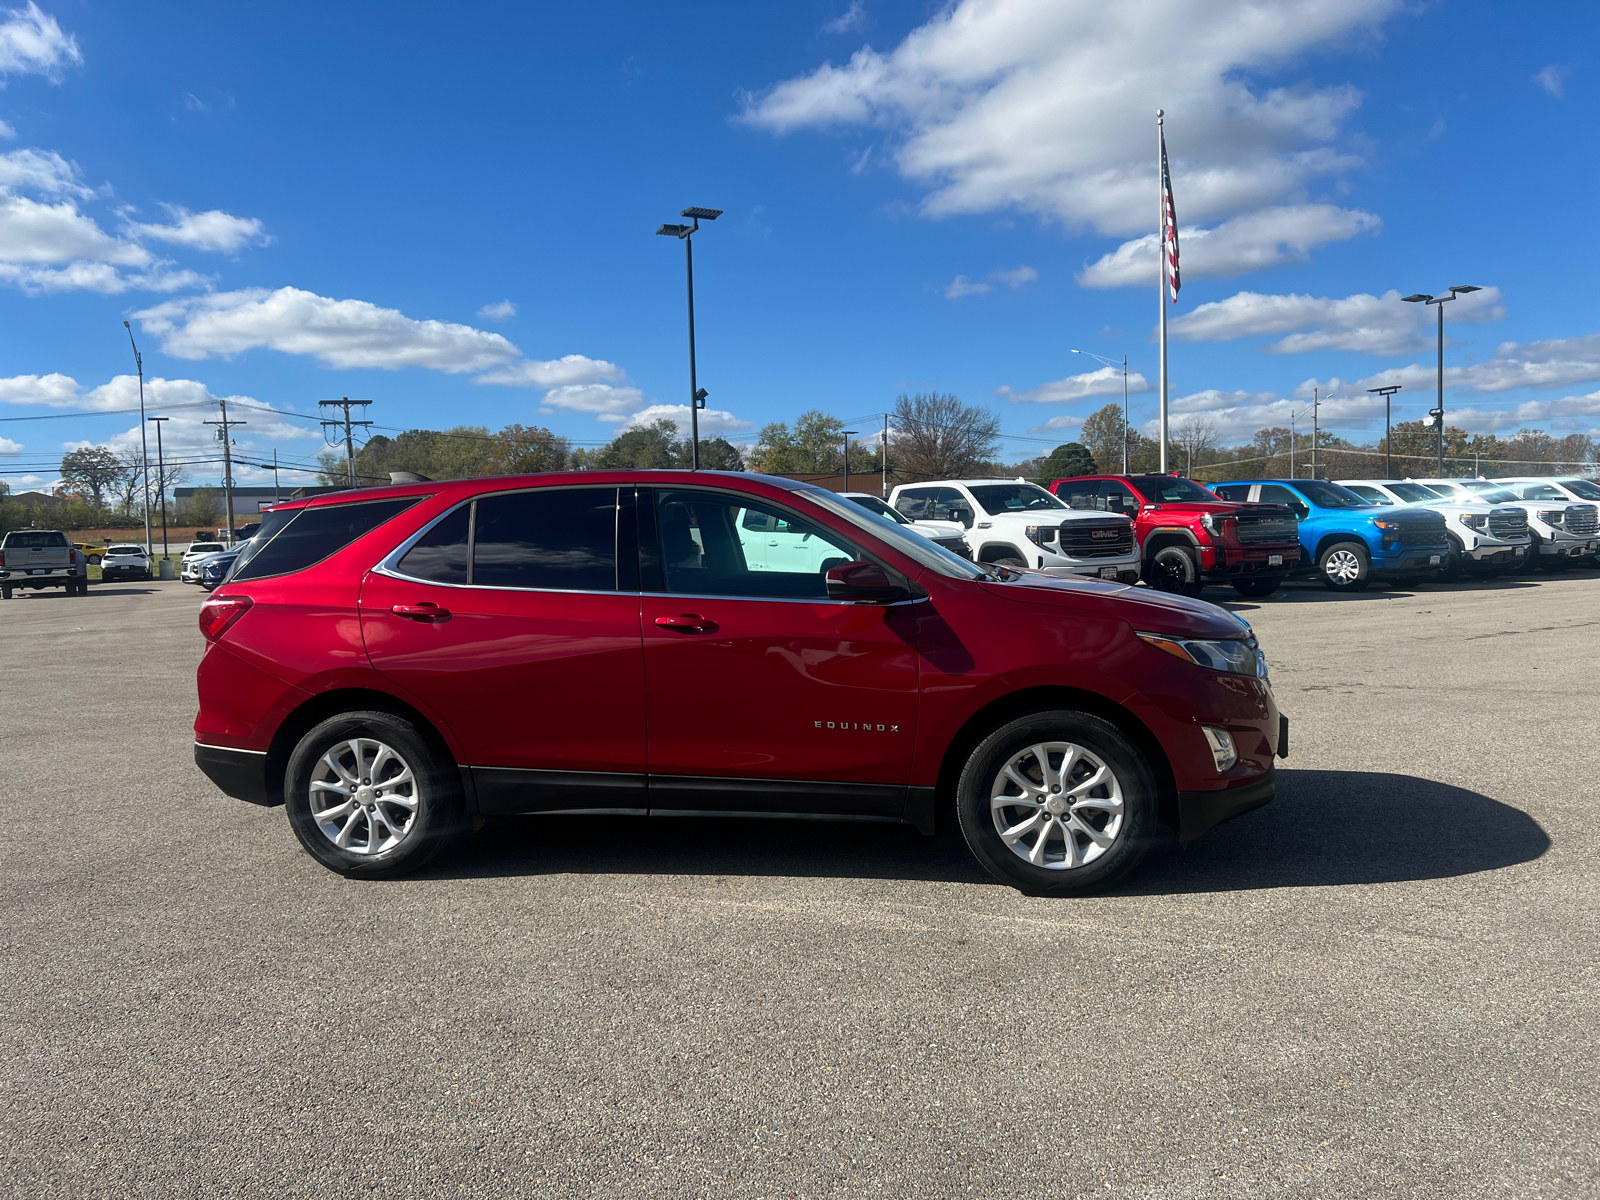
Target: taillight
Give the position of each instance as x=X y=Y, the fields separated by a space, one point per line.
x=219 y=612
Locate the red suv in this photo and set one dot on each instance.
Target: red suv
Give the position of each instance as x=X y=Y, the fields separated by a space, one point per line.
x=1189 y=536
x=393 y=663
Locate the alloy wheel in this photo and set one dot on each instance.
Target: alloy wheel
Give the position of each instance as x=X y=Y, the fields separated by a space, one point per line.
x=1343 y=567
x=1057 y=805
x=370 y=795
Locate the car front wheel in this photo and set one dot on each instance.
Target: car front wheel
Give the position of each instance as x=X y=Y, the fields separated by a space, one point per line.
x=369 y=797
x=1345 y=567
x=1057 y=803
x=1174 y=569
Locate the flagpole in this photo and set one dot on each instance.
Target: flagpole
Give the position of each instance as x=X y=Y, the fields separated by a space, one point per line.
x=1161 y=278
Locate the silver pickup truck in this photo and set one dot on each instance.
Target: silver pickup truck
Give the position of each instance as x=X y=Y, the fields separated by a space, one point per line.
x=41 y=558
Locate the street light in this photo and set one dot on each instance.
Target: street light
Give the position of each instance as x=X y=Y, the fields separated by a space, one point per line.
x=848 y=434
x=1111 y=362
x=1388 y=401
x=697 y=395
x=144 y=444
x=161 y=483
x=1423 y=298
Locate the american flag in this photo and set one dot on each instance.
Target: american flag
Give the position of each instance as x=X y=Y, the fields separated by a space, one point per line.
x=1169 y=223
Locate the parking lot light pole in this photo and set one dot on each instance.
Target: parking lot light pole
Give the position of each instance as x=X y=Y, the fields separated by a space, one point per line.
x=1111 y=362
x=847 y=436
x=161 y=480
x=144 y=444
x=1388 y=402
x=697 y=396
x=1423 y=298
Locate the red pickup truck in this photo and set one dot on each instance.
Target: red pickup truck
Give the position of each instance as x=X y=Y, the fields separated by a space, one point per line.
x=1189 y=536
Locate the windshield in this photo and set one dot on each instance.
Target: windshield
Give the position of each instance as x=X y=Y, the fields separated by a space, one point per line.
x=206 y=547
x=1368 y=493
x=1013 y=497
x=1414 y=493
x=1169 y=489
x=1329 y=495
x=1494 y=493
x=1582 y=489
x=1536 y=491
x=873 y=504
x=912 y=545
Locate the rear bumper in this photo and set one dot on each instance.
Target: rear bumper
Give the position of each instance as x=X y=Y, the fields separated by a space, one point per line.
x=1199 y=812
x=241 y=774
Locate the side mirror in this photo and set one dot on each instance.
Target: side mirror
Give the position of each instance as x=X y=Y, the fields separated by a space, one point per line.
x=864 y=582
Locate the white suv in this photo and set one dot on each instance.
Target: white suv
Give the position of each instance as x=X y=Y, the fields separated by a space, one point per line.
x=1013 y=523
x=1485 y=540
x=948 y=534
x=1553 y=525
x=189 y=570
x=124 y=562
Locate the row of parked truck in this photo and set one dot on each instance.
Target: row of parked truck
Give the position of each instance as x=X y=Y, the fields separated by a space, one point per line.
x=1179 y=536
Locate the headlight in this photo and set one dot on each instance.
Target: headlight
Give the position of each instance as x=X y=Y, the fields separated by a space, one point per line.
x=1232 y=657
x=1208 y=522
x=1474 y=520
x=1552 y=516
x=1040 y=534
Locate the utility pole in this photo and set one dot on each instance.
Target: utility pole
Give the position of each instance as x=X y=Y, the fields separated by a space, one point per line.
x=275 y=475
x=144 y=445
x=1292 y=475
x=883 y=451
x=1316 y=394
x=1388 y=408
x=227 y=458
x=161 y=481
x=346 y=404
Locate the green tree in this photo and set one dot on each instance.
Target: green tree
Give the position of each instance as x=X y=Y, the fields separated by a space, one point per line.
x=1102 y=435
x=203 y=508
x=92 y=472
x=936 y=436
x=1072 y=458
x=648 y=447
x=719 y=454
x=815 y=446
x=527 y=450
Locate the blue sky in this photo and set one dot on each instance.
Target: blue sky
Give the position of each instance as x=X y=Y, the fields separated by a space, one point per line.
x=299 y=202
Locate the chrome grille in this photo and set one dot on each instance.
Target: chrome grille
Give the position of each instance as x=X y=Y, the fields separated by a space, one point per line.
x=1582 y=519
x=1508 y=524
x=1096 y=539
x=1258 y=528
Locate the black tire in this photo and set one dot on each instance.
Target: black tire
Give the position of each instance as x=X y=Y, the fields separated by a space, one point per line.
x=1454 y=566
x=5 y=593
x=1174 y=569
x=81 y=588
x=1129 y=770
x=1530 y=561
x=1343 y=580
x=436 y=791
x=1256 y=587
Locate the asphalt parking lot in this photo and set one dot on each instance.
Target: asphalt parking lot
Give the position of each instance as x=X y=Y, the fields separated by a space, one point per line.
x=1383 y=984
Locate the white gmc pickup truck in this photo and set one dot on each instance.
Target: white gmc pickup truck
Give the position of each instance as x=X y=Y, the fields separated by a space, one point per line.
x=42 y=558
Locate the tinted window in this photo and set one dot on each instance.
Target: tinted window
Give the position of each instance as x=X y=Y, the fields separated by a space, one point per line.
x=272 y=524
x=563 y=538
x=916 y=504
x=126 y=550
x=1169 y=489
x=441 y=553
x=312 y=534
x=1583 y=489
x=1014 y=497
x=1493 y=493
x=1237 y=492
x=713 y=544
x=1413 y=493
x=1081 y=494
x=1118 y=498
x=35 y=541
x=1369 y=493
x=1536 y=491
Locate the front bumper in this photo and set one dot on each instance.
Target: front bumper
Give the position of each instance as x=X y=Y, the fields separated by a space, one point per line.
x=1496 y=554
x=1223 y=564
x=241 y=774
x=1200 y=812
x=1568 y=547
x=1410 y=561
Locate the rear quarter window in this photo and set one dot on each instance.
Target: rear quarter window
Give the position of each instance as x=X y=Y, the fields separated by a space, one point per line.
x=313 y=534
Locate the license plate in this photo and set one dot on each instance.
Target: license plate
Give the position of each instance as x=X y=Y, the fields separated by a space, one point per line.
x=1435 y=559
x=1274 y=560
x=40 y=571
x=1108 y=572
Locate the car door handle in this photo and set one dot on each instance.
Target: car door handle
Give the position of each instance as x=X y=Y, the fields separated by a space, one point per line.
x=426 y=611
x=688 y=623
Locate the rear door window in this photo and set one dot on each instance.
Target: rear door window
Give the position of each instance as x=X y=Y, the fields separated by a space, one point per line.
x=313 y=534
x=916 y=504
x=1119 y=498
x=552 y=538
x=1237 y=492
x=442 y=554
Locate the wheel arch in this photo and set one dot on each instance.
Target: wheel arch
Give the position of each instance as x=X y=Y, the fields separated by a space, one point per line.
x=1329 y=539
x=1039 y=699
x=323 y=705
x=1170 y=535
x=993 y=550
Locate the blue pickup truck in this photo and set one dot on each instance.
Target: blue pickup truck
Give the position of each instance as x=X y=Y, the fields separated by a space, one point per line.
x=1347 y=541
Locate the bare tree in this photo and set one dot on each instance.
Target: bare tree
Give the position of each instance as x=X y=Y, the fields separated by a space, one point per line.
x=935 y=436
x=128 y=485
x=1195 y=436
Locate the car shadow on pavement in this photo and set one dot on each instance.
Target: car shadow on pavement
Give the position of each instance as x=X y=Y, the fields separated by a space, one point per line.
x=1326 y=828
x=1331 y=828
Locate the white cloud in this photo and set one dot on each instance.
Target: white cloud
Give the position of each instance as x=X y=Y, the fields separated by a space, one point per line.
x=42 y=171
x=500 y=310
x=31 y=43
x=713 y=421
x=1011 y=277
x=852 y=19
x=7 y=446
x=1369 y=324
x=338 y=333
x=1553 y=79
x=55 y=390
x=1238 y=414
x=1255 y=242
x=1107 y=381
x=1047 y=106
x=566 y=371
x=1064 y=421
x=31 y=232
x=608 y=403
x=213 y=230
x=1553 y=363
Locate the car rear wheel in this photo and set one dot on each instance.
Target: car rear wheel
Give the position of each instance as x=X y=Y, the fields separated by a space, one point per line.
x=369 y=796
x=1057 y=803
x=1174 y=569
x=1345 y=567
x=1255 y=587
